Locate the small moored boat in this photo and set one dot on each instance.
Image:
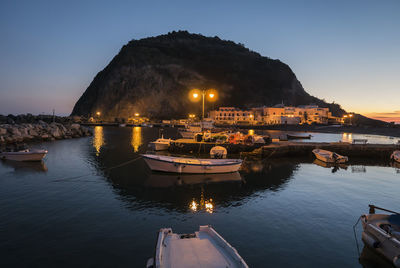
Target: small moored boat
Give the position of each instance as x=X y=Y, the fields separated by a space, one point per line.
x=204 y=248
x=395 y=156
x=161 y=144
x=381 y=232
x=329 y=157
x=298 y=137
x=24 y=155
x=191 y=165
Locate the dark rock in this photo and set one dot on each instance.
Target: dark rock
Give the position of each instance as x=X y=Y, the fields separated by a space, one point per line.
x=153 y=76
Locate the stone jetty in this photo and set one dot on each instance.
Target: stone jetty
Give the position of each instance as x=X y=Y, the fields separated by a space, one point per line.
x=40 y=131
x=304 y=149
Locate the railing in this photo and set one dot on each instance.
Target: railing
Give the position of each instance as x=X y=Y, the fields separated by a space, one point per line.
x=372 y=210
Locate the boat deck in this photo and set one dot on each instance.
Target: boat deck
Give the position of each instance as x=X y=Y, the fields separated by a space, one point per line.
x=199 y=251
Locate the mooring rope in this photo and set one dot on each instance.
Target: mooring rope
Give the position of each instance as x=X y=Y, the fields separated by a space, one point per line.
x=91 y=173
x=355 y=236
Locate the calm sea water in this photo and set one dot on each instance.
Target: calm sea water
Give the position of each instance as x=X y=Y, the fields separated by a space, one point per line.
x=78 y=210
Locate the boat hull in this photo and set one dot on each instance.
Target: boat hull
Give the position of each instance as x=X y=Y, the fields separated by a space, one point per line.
x=159 y=146
x=378 y=240
x=395 y=156
x=327 y=157
x=24 y=156
x=176 y=167
x=294 y=137
x=187 y=134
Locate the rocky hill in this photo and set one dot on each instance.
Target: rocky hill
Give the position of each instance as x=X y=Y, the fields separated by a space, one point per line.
x=153 y=76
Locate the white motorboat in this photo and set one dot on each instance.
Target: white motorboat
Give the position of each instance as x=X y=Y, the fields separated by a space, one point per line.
x=381 y=232
x=205 y=248
x=218 y=152
x=395 y=156
x=122 y=125
x=329 y=157
x=160 y=144
x=190 y=130
x=191 y=165
x=24 y=155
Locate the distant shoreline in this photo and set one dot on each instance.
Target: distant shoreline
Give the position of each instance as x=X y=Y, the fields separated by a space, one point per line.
x=383 y=131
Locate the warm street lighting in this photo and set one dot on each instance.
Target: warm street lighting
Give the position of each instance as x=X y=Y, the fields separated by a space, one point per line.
x=192 y=115
x=345 y=116
x=136 y=114
x=351 y=115
x=194 y=95
x=98 y=113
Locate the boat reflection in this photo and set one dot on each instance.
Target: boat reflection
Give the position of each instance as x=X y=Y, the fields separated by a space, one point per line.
x=202 y=205
x=25 y=166
x=98 y=139
x=163 y=180
x=358 y=169
x=396 y=165
x=370 y=259
x=141 y=189
x=335 y=166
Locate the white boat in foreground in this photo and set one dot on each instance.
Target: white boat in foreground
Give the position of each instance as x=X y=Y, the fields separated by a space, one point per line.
x=161 y=144
x=191 y=165
x=329 y=157
x=205 y=248
x=381 y=232
x=395 y=156
x=24 y=155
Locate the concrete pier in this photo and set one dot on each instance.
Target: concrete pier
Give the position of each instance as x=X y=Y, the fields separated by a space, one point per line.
x=304 y=149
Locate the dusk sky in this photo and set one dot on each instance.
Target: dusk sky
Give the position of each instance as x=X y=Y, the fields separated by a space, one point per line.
x=342 y=51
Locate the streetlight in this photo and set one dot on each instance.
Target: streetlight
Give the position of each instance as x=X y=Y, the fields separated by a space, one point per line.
x=195 y=95
x=136 y=114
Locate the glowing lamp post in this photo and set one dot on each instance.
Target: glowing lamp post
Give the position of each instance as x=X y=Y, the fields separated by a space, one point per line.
x=194 y=95
x=98 y=115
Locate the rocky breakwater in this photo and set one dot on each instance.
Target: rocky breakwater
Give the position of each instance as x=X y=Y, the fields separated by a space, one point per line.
x=40 y=131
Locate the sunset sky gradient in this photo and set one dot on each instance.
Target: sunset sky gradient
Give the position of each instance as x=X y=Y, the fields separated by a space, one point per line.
x=342 y=51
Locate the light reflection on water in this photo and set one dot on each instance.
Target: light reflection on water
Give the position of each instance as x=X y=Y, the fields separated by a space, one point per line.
x=292 y=212
x=136 y=140
x=98 y=138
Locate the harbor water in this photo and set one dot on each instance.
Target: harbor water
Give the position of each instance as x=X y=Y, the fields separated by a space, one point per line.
x=93 y=202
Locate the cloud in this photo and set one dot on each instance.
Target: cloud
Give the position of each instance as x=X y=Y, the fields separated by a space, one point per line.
x=388 y=116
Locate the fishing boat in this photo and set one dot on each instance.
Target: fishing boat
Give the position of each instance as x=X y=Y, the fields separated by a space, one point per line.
x=204 y=248
x=381 y=232
x=160 y=144
x=24 y=155
x=190 y=130
x=395 y=156
x=329 y=157
x=191 y=165
x=298 y=137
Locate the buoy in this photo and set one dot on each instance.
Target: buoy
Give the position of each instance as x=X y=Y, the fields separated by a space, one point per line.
x=218 y=152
